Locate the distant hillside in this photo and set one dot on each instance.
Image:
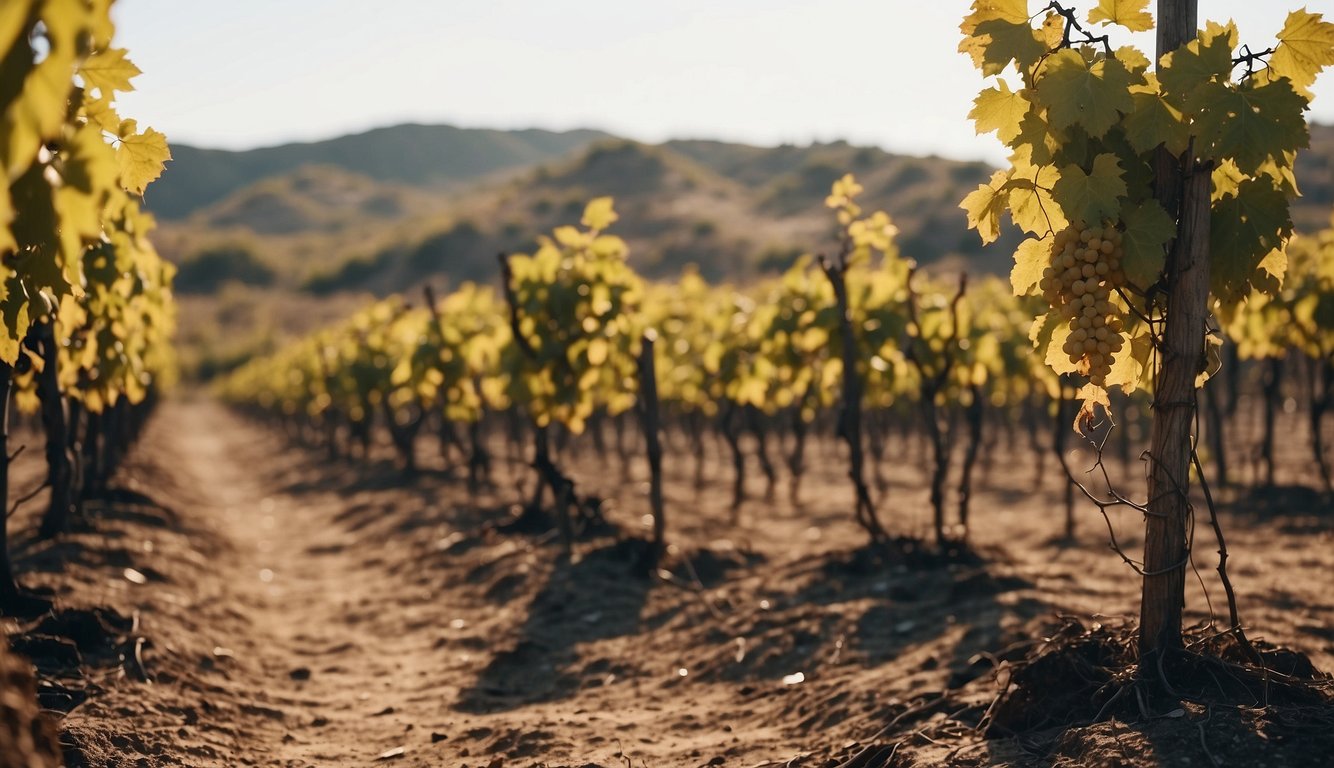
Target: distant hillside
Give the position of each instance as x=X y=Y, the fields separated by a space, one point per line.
x=734 y=211
x=411 y=154
x=324 y=232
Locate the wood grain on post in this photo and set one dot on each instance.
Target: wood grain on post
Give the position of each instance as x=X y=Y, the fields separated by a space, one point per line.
x=1183 y=188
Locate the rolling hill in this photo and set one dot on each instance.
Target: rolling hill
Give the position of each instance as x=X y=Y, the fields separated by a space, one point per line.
x=411 y=154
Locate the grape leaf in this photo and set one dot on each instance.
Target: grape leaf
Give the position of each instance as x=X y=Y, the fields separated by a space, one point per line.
x=14 y=317
x=1035 y=144
x=1000 y=110
x=1056 y=358
x=7 y=241
x=1091 y=398
x=1091 y=197
x=985 y=205
x=109 y=71
x=141 y=157
x=1129 y=365
x=998 y=31
x=1030 y=259
x=1245 y=228
x=13 y=17
x=598 y=215
x=1154 y=121
x=999 y=42
x=1032 y=207
x=1077 y=92
x=1252 y=123
x=1147 y=229
x=1205 y=59
x=1131 y=14
x=1306 y=46
x=1227 y=177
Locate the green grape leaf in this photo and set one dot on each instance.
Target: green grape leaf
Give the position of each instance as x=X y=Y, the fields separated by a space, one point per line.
x=1000 y=110
x=1032 y=206
x=141 y=157
x=1148 y=228
x=1091 y=197
x=1154 y=121
x=1203 y=60
x=109 y=71
x=1306 y=46
x=1000 y=42
x=1246 y=227
x=1252 y=123
x=1030 y=259
x=1077 y=92
x=1036 y=143
x=1131 y=14
x=985 y=205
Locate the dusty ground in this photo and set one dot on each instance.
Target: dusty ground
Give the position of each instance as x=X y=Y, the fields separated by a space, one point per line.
x=282 y=610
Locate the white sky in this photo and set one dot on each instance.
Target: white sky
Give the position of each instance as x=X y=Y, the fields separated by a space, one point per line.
x=246 y=73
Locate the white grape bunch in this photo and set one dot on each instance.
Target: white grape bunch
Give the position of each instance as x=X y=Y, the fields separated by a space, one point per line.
x=1085 y=271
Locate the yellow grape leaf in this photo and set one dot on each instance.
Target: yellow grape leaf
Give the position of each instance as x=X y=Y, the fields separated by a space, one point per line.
x=109 y=71
x=1306 y=46
x=7 y=241
x=1130 y=364
x=1227 y=177
x=1091 y=197
x=13 y=20
x=1032 y=207
x=570 y=237
x=100 y=113
x=1090 y=94
x=141 y=157
x=1015 y=11
x=1134 y=59
x=1000 y=110
x=1131 y=14
x=1056 y=357
x=1147 y=229
x=599 y=214
x=985 y=205
x=1030 y=259
x=1091 y=398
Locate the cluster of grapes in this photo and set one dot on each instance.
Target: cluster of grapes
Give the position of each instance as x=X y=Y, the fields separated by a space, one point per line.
x=1085 y=270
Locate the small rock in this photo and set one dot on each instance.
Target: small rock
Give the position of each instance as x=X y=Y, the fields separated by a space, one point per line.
x=300 y=673
x=436 y=738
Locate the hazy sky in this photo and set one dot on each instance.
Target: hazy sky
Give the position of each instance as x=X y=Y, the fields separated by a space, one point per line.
x=245 y=73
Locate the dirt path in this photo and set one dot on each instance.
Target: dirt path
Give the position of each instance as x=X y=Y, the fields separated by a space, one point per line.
x=302 y=613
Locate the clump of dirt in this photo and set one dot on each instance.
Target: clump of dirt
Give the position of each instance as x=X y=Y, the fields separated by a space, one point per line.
x=27 y=740
x=1086 y=673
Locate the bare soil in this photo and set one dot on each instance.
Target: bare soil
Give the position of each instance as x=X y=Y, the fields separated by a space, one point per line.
x=241 y=600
